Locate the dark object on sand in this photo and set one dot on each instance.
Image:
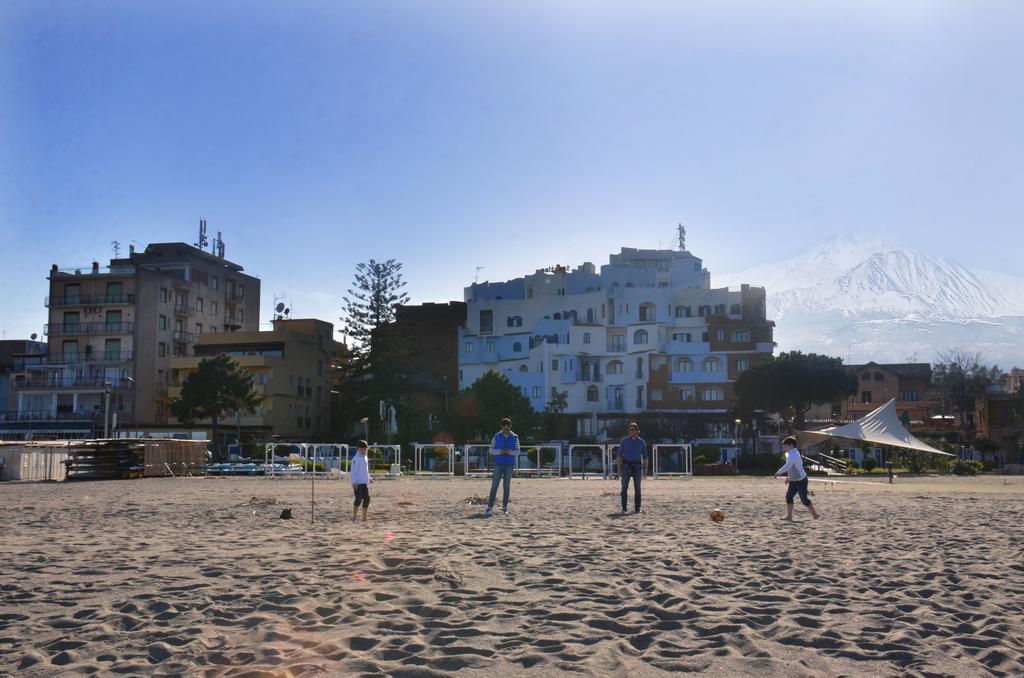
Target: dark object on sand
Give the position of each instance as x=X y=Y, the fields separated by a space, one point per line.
x=286 y=514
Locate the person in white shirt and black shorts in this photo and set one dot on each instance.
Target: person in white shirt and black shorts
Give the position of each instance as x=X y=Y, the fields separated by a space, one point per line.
x=796 y=478
x=359 y=474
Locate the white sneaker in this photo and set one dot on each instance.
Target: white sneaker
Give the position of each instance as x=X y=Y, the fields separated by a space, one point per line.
x=505 y=510
x=487 y=511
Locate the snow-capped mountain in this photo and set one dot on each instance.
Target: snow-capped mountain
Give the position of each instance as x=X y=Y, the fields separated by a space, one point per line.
x=889 y=303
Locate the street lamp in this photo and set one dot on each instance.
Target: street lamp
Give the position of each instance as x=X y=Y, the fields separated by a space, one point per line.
x=736 y=433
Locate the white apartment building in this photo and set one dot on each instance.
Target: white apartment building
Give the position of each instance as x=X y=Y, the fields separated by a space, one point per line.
x=646 y=333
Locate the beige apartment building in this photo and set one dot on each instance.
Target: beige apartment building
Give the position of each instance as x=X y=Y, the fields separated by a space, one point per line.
x=291 y=369
x=113 y=331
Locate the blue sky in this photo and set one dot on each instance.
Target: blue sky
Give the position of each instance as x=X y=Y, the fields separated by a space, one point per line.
x=451 y=135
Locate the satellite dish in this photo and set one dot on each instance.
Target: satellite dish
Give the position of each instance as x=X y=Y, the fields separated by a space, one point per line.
x=34 y=335
x=286 y=311
x=279 y=307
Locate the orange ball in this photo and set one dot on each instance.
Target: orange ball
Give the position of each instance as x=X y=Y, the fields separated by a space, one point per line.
x=717 y=515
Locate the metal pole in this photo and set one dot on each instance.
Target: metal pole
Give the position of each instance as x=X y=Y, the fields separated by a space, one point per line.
x=106 y=409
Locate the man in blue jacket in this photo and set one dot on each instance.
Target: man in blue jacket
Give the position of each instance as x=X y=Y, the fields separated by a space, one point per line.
x=504 y=451
x=632 y=464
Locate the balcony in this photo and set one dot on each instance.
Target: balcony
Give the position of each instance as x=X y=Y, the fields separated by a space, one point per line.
x=46 y=415
x=73 y=329
x=111 y=357
x=184 y=310
x=233 y=295
x=184 y=337
x=89 y=300
x=74 y=383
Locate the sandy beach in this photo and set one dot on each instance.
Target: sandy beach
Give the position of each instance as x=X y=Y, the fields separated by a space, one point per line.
x=200 y=577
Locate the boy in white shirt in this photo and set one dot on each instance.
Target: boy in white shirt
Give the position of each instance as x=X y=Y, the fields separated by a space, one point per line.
x=359 y=474
x=797 y=478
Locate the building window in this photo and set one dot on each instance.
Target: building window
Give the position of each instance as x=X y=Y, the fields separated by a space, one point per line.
x=213 y=306
x=639 y=368
x=684 y=365
x=686 y=394
x=640 y=337
x=742 y=366
x=879 y=376
x=741 y=335
x=719 y=335
x=112 y=349
x=524 y=368
x=656 y=394
x=517 y=347
x=711 y=365
x=199 y=304
x=590 y=315
x=536 y=391
x=592 y=394
x=554 y=365
x=163 y=295
x=487 y=321
x=199 y=328
x=214 y=282
x=529 y=292
x=614 y=367
x=616 y=343
x=735 y=310
x=682 y=337
x=161 y=349
x=489 y=346
x=865 y=376
x=719 y=309
x=865 y=396
x=586 y=337
x=647 y=312
x=712 y=394
x=161 y=322
x=514 y=321
x=468 y=348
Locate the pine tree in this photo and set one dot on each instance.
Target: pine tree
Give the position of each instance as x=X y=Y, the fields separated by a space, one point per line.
x=376 y=372
x=370 y=303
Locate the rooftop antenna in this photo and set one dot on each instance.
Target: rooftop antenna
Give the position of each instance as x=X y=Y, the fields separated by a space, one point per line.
x=476 y=276
x=682 y=236
x=117 y=248
x=219 y=245
x=203 y=240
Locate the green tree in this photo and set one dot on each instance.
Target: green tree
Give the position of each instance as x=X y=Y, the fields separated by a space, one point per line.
x=477 y=411
x=216 y=387
x=791 y=383
x=375 y=372
x=555 y=424
x=371 y=301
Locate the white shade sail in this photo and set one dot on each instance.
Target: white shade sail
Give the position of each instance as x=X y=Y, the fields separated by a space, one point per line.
x=882 y=427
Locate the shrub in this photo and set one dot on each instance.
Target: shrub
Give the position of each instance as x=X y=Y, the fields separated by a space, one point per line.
x=962 y=467
x=870 y=464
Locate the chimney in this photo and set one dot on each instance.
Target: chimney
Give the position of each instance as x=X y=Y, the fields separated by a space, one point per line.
x=131 y=250
x=95 y=267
